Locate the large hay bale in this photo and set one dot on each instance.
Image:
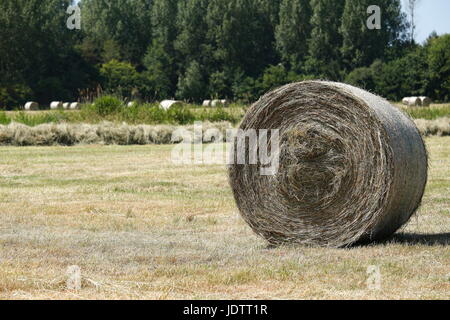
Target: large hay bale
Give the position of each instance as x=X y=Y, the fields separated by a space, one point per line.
x=167 y=104
x=31 y=106
x=351 y=167
x=56 y=105
x=425 y=101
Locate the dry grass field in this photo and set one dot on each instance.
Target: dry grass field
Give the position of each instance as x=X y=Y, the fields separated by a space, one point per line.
x=141 y=228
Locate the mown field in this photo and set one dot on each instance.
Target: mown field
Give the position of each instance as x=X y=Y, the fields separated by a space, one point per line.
x=142 y=228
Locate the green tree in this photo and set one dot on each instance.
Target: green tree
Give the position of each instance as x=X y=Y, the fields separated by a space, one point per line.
x=439 y=67
x=191 y=86
x=158 y=64
x=293 y=31
x=361 y=45
x=120 y=78
x=37 y=50
x=241 y=36
x=124 y=23
x=324 y=58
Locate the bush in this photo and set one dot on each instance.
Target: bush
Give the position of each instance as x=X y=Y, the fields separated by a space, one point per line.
x=107 y=105
x=119 y=78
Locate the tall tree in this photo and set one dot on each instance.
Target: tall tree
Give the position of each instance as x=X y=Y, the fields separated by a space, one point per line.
x=124 y=24
x=324 y=59
x=37 y=49
x=161 y=59
x=241 y=35
x=293 y=31
x=361 y=45
x=411 y=7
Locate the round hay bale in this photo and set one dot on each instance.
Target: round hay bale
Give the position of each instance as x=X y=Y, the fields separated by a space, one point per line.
x=31 y=106
x=425 y=101
x=412 y=101
x=66 y=105
x=352 y=168
x=217 y=103
x=206 y=103
x=225 y=102
x=405 y=101
x=131 y=104
x=56 y=105
x=167 y=104
x=74 y=106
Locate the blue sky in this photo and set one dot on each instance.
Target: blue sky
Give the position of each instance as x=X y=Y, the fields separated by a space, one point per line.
x=432 y=15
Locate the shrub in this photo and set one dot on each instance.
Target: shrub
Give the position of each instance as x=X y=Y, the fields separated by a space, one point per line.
x=107 y=105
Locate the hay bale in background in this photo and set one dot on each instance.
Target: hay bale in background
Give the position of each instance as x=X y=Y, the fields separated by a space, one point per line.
x=225 y=102
x=131 y=104
x=425 y=101
x=352 y=167
x=66 y=105
x=167 y=104
x=412 y=101
x=31 y=106
x=219 y=103
x=56 y=105
x=206 y=103
x=74 y=106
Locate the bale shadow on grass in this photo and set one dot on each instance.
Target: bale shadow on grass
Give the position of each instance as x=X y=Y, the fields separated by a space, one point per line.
x=438 y=239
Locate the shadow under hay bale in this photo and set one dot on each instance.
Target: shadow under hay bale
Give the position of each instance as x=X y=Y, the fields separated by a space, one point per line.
x=352 y=167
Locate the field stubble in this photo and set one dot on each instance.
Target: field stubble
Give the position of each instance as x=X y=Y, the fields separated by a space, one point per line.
x=142 y=228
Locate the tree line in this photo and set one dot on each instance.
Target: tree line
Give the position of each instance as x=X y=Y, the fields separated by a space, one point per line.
x=199 y=49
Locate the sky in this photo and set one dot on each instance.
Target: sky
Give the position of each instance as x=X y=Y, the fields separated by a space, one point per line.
x=432 y=15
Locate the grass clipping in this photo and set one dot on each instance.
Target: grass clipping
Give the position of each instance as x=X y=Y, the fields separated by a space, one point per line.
x=353 y=168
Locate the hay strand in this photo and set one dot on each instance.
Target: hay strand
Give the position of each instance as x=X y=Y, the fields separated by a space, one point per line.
x=352 y=167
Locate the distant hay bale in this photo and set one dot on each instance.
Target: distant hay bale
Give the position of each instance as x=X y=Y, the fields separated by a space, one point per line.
x=167 y=104
x=131 y=104
x=66 y=105
x=74 y=106
x=56 y=105
x=206 y=103
x=225 y=102
x=31 y=106
x=412 y=101
x=219 y=103
x=425 y=101
x=352 y=168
